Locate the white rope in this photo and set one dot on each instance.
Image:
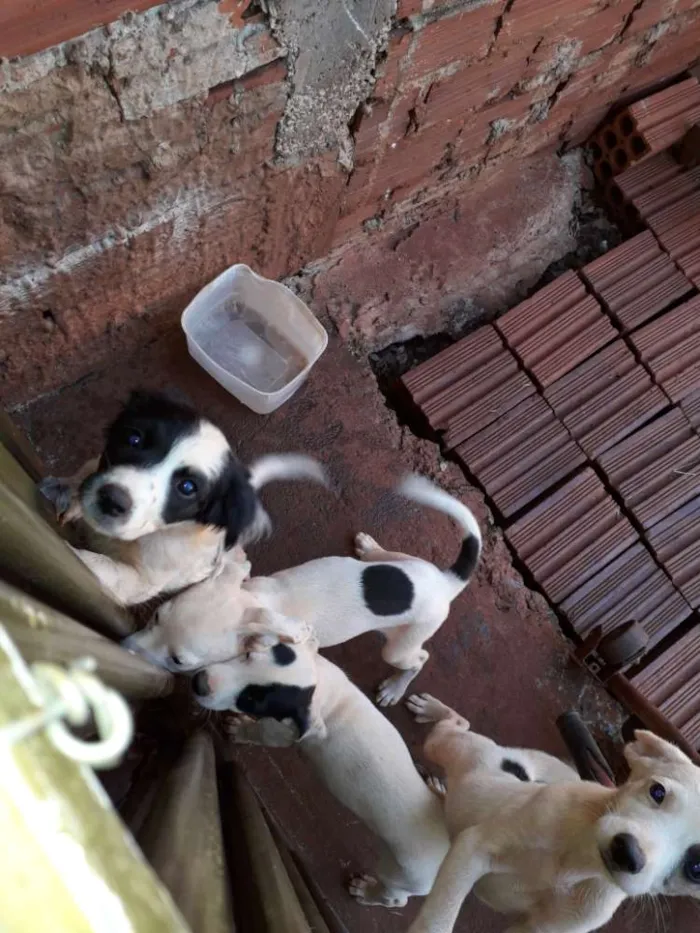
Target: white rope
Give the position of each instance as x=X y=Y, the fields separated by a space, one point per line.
x=71 y=696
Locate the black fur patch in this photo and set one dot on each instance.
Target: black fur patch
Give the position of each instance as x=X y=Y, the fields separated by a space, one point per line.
x=515 y=768
x=283 y=654
x=387 y=590
x=159 y=422
x=277 y=701
x=230 y=502
x=467 y=559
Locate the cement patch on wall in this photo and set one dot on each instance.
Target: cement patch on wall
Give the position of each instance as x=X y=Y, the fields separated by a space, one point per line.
x=333 y=49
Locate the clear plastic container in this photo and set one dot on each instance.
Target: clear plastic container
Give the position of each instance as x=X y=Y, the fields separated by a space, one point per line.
x=254 y=336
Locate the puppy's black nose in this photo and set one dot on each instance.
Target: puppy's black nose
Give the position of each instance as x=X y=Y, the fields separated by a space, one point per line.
x=113 y=500
x=200 y=684
x=626 y=854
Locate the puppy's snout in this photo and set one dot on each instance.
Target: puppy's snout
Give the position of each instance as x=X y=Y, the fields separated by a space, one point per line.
x=200 y=684
x=626 y=854
x=113 y=500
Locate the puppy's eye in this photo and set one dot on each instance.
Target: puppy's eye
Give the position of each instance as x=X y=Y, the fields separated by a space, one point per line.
x=691 y=864
x=175 y=660
x=134 y=438
x=657 y=792
x=186 y=486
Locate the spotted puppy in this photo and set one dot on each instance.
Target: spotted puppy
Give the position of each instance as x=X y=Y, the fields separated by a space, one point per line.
x=166 y=499
x=406 y=598
x=559 y=858
x=303 y=698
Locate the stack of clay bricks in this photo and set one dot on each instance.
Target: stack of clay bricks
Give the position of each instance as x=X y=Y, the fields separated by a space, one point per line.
x=645 y=128
x=578 y=413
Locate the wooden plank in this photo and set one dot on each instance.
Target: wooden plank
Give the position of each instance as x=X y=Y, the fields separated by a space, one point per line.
x=182 y=839
x=282 y=912
x=35 y=559
x=18 y=445
x=68 y=865
x=42 y=634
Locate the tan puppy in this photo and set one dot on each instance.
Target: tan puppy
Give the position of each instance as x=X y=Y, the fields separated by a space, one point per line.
x=405 y=598
x=562 y=858
x=357 y=752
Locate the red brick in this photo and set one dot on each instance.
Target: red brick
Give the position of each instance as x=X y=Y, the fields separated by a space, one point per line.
x=25 y=29
x=406 y=8
x=368 y=136
x=650 y=14
x=236 y=10
x=412 y=158
x=603 y=26
x=454 y=39
x=473 y=87
x=530 y=19
x=387 y=82
x=274 y=73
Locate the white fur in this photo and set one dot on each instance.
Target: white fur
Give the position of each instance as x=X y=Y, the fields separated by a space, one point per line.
x=205 y=450
x=363 y=761
x=145 y=558
x=326 y=593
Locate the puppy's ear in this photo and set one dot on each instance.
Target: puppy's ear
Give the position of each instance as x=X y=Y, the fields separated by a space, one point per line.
x=276 y=625
x=648 y=748
x=232 y=505
x=259 y=643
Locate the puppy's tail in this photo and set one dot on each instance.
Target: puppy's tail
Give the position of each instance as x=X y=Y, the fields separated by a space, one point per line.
x=286 y=466
x=421 y=490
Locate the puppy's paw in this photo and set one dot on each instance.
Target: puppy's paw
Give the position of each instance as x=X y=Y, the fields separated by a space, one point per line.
x=365 y=545
x=427 y=709
x=392 y=689
x=59 y=493
x=372 y=893
x=436 y=785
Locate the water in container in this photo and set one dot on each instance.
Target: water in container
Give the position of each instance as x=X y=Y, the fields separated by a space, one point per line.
x=248 y=347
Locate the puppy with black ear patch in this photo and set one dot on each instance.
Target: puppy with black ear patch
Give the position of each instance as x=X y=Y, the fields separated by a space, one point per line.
x=302 y=697
x=404 y=597
x=166 y=499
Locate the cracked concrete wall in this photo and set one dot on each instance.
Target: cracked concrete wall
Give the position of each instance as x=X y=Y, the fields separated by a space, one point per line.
x=143 y=155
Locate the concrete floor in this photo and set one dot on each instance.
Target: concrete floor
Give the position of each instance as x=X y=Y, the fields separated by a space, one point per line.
x=499 y=658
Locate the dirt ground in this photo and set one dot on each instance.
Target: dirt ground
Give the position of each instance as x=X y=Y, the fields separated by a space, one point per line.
x=499 y=659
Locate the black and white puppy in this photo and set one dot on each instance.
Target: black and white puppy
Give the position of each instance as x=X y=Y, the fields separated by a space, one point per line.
x=167 y=498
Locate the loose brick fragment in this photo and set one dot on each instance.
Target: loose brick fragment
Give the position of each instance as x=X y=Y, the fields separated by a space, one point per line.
x=655 y=470
x=605 y=399
x=571 y=536
x=659 y=120
x=468 y=386
x=631 y=587
x=559 y=327
x=676 y=543
x=677 y=227
x=520 y=456
x=670 y=346
x=636 y=280
x=645 y=176
x=671 y=682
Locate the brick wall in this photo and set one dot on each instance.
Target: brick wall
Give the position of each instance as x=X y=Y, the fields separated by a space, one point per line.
x=463 y=83
x=142 y=157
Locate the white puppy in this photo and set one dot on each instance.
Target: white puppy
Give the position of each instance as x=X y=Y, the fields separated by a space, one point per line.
x=562 y=858
x=406 y=598
x=357 y=752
